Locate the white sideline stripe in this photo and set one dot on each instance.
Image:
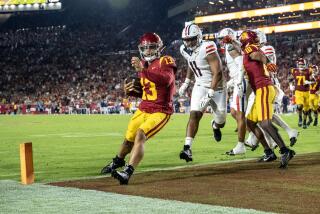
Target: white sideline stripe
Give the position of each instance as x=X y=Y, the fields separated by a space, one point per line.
x=52 y=199
x=77 y=134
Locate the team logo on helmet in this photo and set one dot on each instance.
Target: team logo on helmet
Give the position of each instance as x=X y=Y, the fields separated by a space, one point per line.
x=248 y=37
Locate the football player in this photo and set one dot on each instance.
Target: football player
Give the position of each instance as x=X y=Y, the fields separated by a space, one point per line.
x=269 y=51
x=209 y=88
x=301 y=76
x=237 y=83
x=257 y=68
x=314 y=93
x=157 y=79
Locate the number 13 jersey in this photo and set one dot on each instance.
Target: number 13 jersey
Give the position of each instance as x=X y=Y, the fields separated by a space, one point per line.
x=158 y=82
x=197 y=61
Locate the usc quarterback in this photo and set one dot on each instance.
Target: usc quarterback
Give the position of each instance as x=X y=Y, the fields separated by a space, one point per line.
x=257 y=67
x=157 y=78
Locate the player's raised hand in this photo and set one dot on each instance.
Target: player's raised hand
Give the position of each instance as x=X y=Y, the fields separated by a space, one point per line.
x=136 y=63
x=271 y=67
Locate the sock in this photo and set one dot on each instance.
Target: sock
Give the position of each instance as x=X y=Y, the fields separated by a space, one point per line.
x=279 y=121
x=268 y=151
x=129 y=169
x=214 y=126
x=188 y=141
x=283 y=150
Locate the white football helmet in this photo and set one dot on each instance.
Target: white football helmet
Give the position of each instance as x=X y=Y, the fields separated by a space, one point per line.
x=191 y=32
x=227 y=32
x=262 y=36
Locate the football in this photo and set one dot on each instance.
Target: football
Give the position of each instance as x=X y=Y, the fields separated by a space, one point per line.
x=132 y=86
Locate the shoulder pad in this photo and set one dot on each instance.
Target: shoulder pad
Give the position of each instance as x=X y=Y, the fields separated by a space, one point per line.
x=167 y=62
x=250 y=49
x=208 y=47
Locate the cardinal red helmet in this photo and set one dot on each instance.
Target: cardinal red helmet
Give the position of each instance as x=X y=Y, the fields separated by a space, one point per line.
x=248 y=37
x=150 y=46
x=301 y=63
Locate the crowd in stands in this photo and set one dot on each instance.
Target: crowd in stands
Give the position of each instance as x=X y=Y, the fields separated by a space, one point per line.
x=80 y=68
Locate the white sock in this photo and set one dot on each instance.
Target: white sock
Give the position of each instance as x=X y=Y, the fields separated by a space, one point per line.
x=188 y=141
x=279 y=121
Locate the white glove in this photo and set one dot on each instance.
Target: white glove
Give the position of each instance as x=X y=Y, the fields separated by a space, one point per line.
x=307 y=82
x=183 y=87
x=240 y=87
x=205 y=101
x=230 y=84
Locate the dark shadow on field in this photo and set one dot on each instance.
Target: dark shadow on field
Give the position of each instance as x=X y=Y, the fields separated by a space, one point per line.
x=245 y=184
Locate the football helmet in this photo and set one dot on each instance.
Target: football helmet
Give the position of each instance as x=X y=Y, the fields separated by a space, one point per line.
x=301 y=63
x=227 y=32
x=191 y=36
x=262 y=36
x=150 y=46
x=248 y=37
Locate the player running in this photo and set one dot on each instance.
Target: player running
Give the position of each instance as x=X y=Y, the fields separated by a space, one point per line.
x=257 y=68
x=209 y=88
x=158 y=86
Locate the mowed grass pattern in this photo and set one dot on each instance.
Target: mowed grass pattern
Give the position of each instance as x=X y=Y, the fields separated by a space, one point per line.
x=69 y=147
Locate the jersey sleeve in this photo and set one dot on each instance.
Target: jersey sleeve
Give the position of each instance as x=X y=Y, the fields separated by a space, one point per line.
x=168 y=69
x=250 y=49
x=209 y=47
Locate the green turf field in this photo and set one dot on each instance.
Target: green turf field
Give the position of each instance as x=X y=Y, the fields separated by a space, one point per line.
x=76 y=146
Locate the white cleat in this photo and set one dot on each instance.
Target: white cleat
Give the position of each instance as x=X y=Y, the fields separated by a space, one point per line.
x=238 y=150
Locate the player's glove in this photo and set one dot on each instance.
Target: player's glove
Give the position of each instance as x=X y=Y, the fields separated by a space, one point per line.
x=205 y=101
x=227 y=39
x=184 y=87
x=307 y=82
x=271 y=67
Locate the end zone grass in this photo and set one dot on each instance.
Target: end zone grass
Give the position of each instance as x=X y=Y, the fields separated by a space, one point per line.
x=76 y=146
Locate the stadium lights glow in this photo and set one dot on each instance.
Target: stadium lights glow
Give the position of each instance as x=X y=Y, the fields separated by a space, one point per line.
x=210 y=2
x=221 y=1
x=258 y=12
x=30 y=7
x=279 y=28
x=291 y=27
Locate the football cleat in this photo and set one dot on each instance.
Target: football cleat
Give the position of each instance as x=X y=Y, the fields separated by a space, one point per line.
x=268 y=158
x=113 y=165
x=186 y=153
x=123 y=176
x=285 y=158
x=239 y=149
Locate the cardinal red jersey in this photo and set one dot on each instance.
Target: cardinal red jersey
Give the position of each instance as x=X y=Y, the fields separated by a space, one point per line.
x=315 y=86
x=299 y=77
x=256 y=71
x=158 y=81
